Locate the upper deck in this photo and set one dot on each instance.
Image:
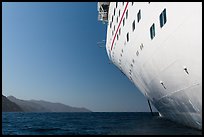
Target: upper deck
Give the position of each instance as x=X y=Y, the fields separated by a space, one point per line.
x=103 y=8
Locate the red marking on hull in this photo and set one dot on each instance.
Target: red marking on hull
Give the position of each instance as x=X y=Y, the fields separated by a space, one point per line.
x=119 y=25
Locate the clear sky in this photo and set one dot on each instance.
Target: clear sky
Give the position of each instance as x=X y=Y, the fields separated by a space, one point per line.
x=50 y=52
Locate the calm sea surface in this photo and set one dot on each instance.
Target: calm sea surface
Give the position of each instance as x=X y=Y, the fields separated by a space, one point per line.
x=94 y=123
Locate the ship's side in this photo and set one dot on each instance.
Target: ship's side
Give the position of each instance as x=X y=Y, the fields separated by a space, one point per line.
x=158 y=46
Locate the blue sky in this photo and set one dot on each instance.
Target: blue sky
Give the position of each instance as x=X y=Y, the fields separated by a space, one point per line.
x=50 y=52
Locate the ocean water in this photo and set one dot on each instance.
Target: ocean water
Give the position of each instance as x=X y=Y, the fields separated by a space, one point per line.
x=94 y=123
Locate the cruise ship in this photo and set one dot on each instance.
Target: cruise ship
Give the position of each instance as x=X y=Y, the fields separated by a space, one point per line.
x=158 y=46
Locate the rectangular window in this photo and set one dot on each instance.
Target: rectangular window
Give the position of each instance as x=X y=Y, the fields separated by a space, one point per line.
x=119 y=13
x=112 y=18
x=114 y=27
x=110 y=24
x=116 y=4
x=138 y=16
x=119 y=31
x=114 y=12
x=132 y=3
x=141 y=46
x=126 y=14
x=117 y=19
x=123 y=21
x=133 y=25
x=162 y=18
x=152 y=31
x=117 y=36
x=127 y=36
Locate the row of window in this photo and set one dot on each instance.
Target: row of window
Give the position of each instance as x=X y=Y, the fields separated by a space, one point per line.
x=162 y=19
x=114 y=14
x=138 y=19
x=138 y=16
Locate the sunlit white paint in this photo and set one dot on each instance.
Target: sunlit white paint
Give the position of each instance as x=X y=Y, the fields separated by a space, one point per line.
x=159 y=69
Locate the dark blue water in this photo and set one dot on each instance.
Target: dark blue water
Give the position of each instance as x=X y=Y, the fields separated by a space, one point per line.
x=94 y=123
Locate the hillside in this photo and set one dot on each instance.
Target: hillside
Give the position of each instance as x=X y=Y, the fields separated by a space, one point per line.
x=9 y=106
x=44 y=106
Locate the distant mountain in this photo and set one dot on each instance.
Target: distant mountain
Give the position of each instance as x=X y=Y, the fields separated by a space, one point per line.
x=44 y=106
x=58 y=107
x=9 y=106
x=28 y=106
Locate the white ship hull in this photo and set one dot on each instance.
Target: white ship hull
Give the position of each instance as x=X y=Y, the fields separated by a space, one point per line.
x=167 y=69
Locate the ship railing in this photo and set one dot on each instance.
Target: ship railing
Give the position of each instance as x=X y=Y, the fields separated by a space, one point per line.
x=103 y=8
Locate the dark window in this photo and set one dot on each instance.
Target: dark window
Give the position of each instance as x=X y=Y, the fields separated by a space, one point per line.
x=138 y=16
x=127 y=37
x=132 y=3
x=117 y=19
x=126 y=14
x=123 y=21
x=116 y=4
x=114 y=12
x=117 y=36
x=119 y=31
x=133 y=61
x=123 y=3
x=114 y=27
x=141 y=46
x=152 y=31
x=137 y=53
x=162 y=18
x=112 y=18
x=119 y=13
x=133 y=25
x=110 y=24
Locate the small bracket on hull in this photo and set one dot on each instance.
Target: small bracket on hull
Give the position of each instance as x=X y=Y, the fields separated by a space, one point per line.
x=185 y=69
x=162 y=84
